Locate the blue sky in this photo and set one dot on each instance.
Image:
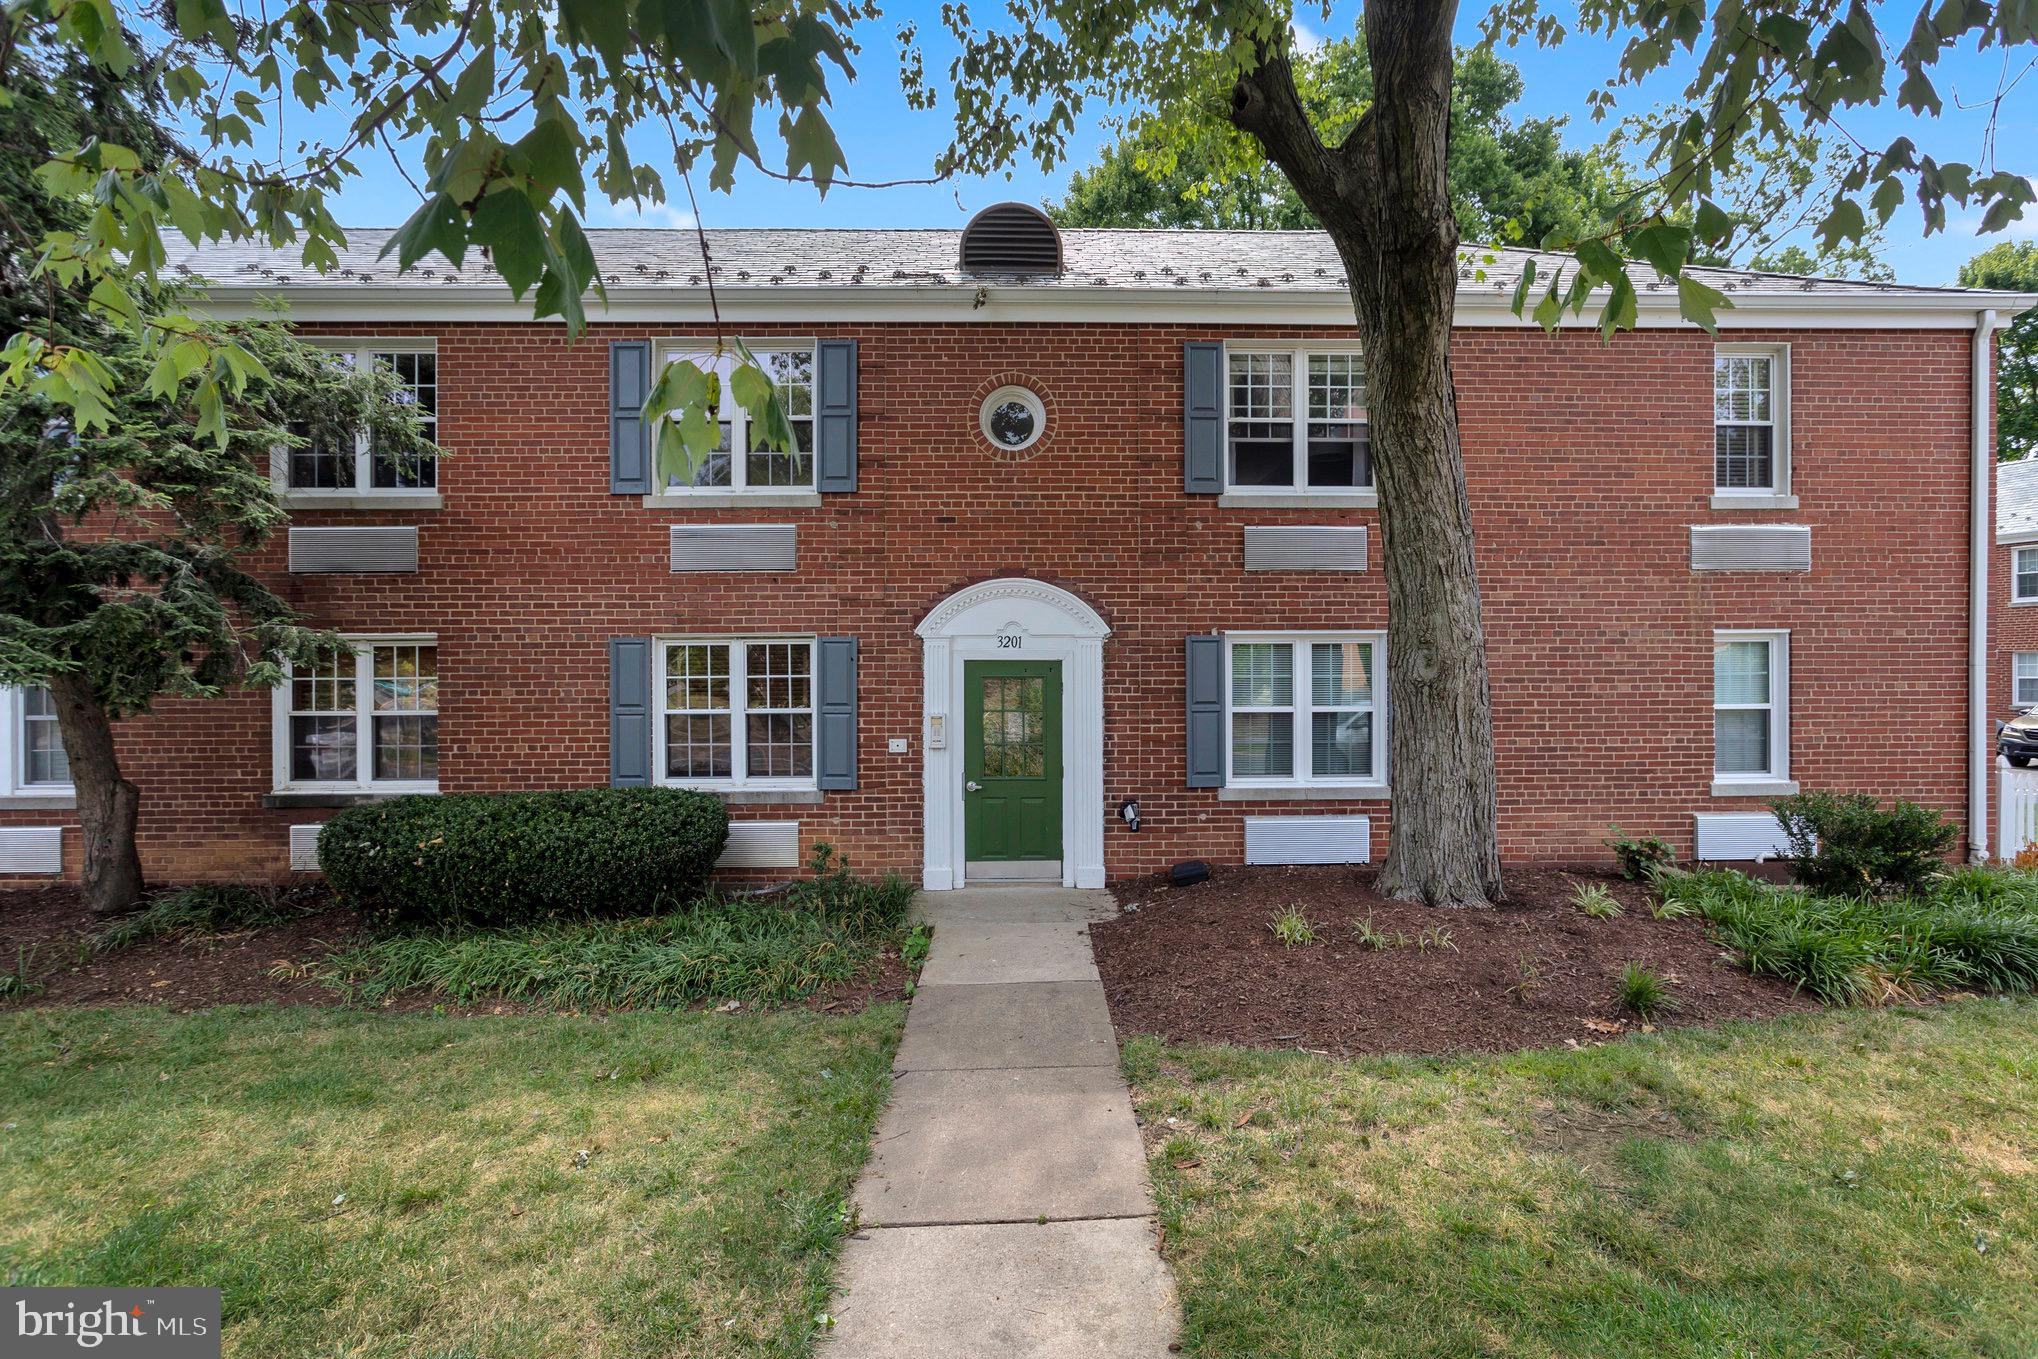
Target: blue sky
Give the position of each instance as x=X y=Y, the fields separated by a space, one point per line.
x=884 y=139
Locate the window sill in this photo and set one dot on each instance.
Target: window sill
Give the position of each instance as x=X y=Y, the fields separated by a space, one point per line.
x=2022 y=603
x=756 y=797
x=38 y=802
x=339 y=797
x=363 y=500
x=1752 y=500
x=736 y=500
x=1343 y=792
x=1754 y=787
x=1295 y=500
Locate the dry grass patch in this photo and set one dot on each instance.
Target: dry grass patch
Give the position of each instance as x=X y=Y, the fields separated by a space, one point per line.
x=381 y=1185
x=1790 y=1188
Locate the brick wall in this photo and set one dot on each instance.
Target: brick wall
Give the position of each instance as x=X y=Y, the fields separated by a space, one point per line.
x=1587 y=465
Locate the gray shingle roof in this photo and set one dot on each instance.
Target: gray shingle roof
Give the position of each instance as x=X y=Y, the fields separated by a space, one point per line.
x=2017 y=498
x=854 y=258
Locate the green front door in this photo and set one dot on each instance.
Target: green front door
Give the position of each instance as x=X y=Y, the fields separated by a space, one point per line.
x=1011 y=801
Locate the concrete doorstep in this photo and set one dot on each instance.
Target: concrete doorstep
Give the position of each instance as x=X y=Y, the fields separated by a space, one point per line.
x=1005 y=1208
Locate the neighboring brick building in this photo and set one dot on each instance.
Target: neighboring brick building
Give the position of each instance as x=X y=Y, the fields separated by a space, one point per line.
x=2013 y=593
x=1062 y=536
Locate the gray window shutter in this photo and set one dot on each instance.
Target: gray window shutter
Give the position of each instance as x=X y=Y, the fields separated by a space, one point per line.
x=1206 y=712
x=835 y=416
x=629 y=438
x=629 y=712
x=835 y=710
x=1203 y=419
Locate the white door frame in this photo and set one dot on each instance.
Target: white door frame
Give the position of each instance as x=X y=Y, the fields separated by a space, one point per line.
x=1012 y=619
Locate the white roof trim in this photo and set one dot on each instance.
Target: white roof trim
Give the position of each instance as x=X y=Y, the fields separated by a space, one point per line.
x=1477 y=306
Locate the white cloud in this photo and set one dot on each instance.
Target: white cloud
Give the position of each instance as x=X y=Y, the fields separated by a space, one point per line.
x=627 y=214
x=1307 y=39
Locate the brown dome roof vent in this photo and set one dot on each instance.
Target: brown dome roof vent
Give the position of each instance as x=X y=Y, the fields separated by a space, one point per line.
x=1011 y=238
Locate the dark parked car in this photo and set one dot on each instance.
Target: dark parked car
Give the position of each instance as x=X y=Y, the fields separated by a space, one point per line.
x=2017 y=739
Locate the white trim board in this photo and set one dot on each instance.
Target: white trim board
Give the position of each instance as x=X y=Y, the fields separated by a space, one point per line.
x=683 y=306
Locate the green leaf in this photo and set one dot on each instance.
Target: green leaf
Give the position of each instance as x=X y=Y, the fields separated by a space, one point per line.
x=1620 y=310
x=1665 y=245
x=509 y=226
x=1521 y=289
x=1697 y=302
x=1844 y=222
x=437 y=225
x=1712 y=223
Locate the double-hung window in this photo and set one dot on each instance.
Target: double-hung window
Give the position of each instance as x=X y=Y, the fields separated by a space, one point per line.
x=1305 y=710
x=2024 y=575
x=736 y=713
x=2024 y=679
x=1751 y=426
x=368 y=722
x=1296 y=421
x=1751 y=712
x=741 y=459
x=353 y=466
x=31 y=748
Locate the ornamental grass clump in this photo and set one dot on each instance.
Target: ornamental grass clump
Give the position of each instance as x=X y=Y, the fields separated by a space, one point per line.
x=1976 y=930
x=763 y=949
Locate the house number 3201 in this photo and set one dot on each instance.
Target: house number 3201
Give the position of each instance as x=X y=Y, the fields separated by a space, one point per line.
x=1010 y=643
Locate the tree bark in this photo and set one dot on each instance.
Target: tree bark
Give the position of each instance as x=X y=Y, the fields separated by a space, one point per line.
x=1384 y=197
x=107 y=803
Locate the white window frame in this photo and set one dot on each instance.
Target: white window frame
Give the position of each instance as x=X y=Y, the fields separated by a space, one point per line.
x=14 y=753
x=1299 y=488
x=364 y=780
x=364 y=489
x=1777 y=495
x=1776 y=781
x=740 y=779
x=700 y=347
x=1305 y=710
x=2017 y=659
x=2016 y=559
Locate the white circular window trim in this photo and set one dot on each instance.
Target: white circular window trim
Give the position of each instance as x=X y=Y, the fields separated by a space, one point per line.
x=1003 y=396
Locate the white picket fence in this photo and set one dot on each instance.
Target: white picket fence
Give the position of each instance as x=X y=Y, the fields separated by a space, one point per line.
x=2016 y=810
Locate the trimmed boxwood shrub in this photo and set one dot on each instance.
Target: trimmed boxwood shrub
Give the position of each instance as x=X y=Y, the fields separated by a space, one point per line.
x=502 y=858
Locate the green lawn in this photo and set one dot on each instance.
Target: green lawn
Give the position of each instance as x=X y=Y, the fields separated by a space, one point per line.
x=369 y=1184
x=1848 y=1183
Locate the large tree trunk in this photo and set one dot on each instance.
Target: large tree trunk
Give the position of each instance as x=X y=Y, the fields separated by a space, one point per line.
x=1384 y=197
x=107 y=803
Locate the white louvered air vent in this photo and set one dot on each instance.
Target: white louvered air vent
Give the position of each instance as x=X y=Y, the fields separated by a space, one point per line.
x=1751 y=547
x=32 y=849
x=1308 y=839
x=761 y=844
x=304 y=849
x=379 y=550
x=1723 y=837
x=1306 y=547
x=734 y=547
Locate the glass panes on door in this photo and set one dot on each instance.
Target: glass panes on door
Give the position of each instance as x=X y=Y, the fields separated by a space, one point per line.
x=1015 y=743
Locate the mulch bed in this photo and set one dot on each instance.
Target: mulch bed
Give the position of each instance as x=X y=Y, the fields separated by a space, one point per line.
x=49 y=929
x=1200 y=965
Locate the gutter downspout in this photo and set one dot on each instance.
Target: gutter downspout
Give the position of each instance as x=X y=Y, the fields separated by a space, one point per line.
x=1980 y=536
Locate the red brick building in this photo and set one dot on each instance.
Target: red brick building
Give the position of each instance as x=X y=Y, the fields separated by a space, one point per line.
x=1088 y=533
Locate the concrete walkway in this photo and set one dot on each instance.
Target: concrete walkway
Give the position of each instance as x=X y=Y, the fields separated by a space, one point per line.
x=1005 y=1210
